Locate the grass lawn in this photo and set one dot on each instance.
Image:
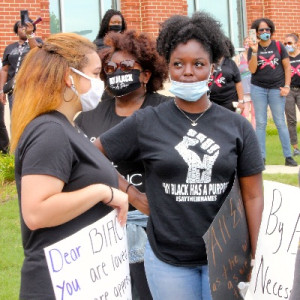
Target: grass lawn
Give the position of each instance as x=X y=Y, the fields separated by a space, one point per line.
x=11 y=251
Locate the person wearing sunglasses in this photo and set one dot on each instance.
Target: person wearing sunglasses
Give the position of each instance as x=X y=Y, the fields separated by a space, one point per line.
x=270 y=83
x=113 y=20
x=293 y=97
x=133 y=72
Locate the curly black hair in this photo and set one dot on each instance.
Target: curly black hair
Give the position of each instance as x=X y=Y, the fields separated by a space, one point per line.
x=230 y=47
x=18 y=23
x=255 y=24
x=201 y=27
x=143 y=48
x=104 y=27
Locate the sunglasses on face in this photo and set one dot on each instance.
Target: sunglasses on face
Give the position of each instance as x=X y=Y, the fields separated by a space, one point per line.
x=264 y=29
x=288 y=43
x=125 y=66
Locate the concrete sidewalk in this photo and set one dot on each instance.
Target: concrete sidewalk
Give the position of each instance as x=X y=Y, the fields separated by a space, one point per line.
x=274 y=169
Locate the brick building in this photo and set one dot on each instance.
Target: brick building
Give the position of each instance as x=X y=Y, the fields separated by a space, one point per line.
x=84 y=16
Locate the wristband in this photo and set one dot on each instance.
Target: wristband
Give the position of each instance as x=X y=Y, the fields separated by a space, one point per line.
x=241 y=101
x=254 y=54
x=252 y=262
x=128 y=186
x=112 y=195
x=287 y=86
x=30 y=36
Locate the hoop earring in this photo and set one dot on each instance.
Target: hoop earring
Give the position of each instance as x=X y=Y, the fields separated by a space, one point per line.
x=64 y=96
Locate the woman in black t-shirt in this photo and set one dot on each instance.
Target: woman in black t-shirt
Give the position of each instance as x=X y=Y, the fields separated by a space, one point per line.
x=113 y=20
x=270 y=84
x=133 y=71
x=293 y=97
x=225 y=85
x=188 y=146
x=64 y=183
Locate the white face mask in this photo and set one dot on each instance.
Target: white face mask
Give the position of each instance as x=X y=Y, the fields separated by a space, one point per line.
x=92 y=97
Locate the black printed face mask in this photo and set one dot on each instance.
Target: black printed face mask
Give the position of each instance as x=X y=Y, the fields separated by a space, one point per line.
x=122 y=83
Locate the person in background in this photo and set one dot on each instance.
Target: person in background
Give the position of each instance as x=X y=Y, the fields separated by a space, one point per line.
x=4 y=139
x=270 y=83
x=241 y=60
x=64 y=183
x=132 y=56
x=14 y=55
x=113 y=20
x=186 y=145
x=293 y=97
x=226 y=87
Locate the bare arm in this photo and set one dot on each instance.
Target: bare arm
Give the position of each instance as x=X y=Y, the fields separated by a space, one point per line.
x=240 y=92
x=287 y=77
x=45 y=205
x=252 y=194
x=135 y=197
x=253 y=61
x=3 y=79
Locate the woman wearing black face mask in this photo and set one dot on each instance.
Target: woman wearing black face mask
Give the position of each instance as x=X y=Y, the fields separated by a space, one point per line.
x=133 y=72
x=113 y=20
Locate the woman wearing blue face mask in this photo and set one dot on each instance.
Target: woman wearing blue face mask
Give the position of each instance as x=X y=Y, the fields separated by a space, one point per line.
x=64 y=183
x=187 y=145
x=293 y=98
x=270 y=84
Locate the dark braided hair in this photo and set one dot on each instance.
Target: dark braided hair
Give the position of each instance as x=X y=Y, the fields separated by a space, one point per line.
x=105 y=22
x=201 y=27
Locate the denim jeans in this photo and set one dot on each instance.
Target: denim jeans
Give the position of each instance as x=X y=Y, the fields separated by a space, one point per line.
x=170 y=282
x=261 y=98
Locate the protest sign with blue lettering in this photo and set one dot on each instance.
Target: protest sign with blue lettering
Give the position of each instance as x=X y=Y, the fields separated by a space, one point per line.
x=92 y=263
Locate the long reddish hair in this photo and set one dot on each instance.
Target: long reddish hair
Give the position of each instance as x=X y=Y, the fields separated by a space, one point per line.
x=40 y=82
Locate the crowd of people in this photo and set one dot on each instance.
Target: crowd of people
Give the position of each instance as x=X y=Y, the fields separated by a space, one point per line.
x=129 y=143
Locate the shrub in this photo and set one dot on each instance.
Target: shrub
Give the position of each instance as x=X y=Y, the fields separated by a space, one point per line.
x=7 y=168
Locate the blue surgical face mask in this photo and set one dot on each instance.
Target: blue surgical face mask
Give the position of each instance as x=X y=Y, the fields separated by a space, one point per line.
x=289 y=48
x=189 y=91
x=265 y=36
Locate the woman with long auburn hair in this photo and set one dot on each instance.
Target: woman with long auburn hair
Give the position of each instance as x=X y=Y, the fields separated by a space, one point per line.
x=64 y=183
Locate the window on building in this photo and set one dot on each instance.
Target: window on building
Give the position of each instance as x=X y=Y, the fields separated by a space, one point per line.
x=81 y=17
x=230 y=13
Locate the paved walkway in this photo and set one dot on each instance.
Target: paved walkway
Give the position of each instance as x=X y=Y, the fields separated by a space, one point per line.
x=275 y=169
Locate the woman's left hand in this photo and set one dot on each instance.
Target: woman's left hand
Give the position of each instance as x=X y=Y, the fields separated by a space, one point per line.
x=29 y=28
x=284 y=91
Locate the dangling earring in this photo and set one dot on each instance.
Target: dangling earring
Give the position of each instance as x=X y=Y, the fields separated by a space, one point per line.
x=64 y=95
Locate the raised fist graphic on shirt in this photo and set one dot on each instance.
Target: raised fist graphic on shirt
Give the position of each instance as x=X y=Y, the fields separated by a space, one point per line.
x=199 y=170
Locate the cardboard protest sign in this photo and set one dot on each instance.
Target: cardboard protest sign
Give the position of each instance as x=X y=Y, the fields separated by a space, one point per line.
x=92 y=263
x=228 y=248
x=273 y=273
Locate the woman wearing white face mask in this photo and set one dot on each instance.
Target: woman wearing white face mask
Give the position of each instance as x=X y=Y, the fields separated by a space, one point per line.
x=187 y=145
x=270 y=83
x=64 y=183
x=293 y=98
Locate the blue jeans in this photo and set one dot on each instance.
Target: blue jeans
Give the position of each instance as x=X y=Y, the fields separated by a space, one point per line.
x=261 y=98
x=170 y=282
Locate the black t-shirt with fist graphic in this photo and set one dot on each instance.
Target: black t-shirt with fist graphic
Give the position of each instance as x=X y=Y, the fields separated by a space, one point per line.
x=189 y=171
x=270 y=72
